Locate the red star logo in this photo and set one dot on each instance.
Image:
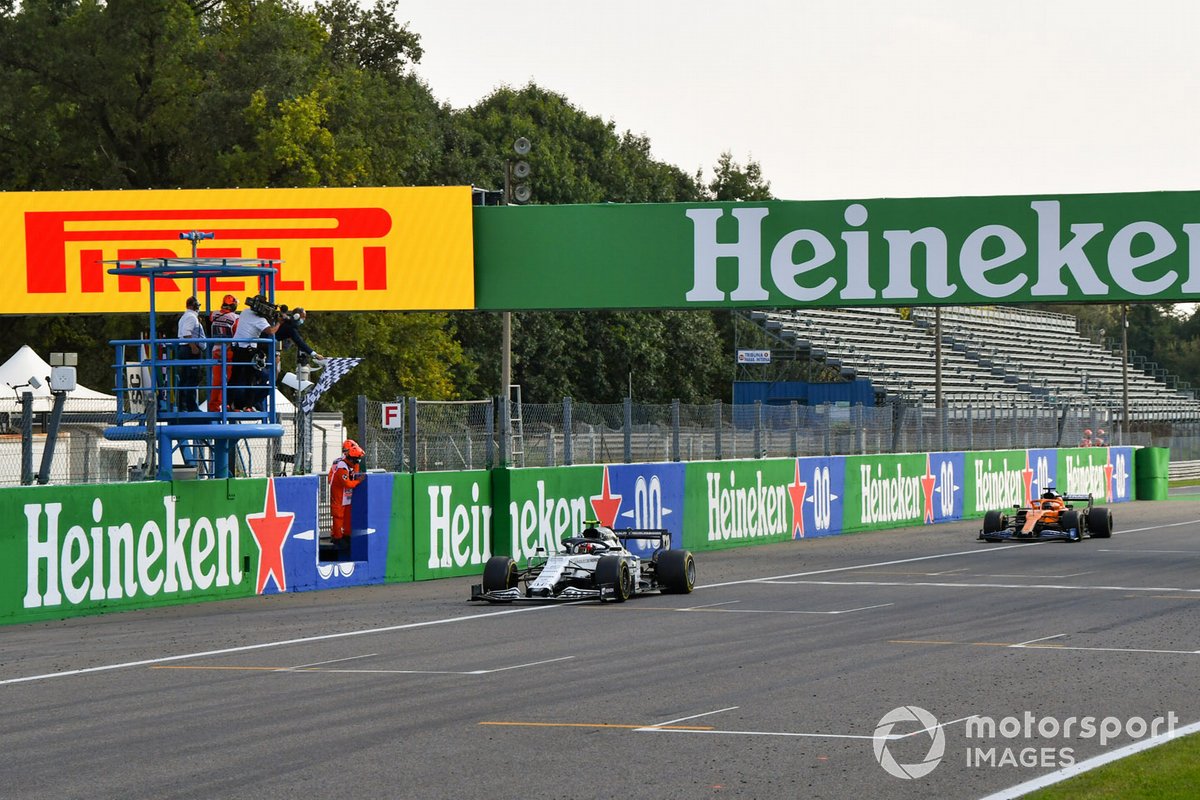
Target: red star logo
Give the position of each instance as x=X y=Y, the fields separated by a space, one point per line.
x=928 y=484
x=1027 y=478
x=1108 y=475
x=270 y=529
x=797 y=490
x=606 y=505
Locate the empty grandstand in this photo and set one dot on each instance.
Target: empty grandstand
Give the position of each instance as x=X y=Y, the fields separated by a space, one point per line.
x=989 y=355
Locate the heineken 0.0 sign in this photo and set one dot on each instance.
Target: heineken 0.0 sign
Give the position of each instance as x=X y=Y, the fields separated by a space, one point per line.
x=937 y=251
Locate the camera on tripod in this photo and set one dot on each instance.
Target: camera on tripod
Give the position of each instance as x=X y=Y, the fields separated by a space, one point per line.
x=265 y=309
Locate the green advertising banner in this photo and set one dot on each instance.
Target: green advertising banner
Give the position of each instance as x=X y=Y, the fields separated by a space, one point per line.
x=76 y=550
x=998 y=480
x=885 y=252
x=400 y=531
x=885 y=491
x=546 y=505
x=452 y=523
x=736 y=503
x=1086 y=470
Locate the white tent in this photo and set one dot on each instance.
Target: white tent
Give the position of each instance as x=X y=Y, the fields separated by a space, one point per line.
x=25 y=364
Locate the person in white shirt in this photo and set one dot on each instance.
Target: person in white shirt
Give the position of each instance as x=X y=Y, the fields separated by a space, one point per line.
x=246 y=390
x=189 y=376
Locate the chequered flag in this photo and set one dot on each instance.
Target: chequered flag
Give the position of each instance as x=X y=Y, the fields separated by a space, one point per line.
x=335 y=368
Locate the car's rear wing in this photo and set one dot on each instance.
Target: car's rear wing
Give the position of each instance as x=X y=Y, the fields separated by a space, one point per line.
x=662 y=535
x=1078 y=498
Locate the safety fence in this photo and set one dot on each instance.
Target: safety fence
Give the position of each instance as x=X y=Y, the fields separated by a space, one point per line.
x=425 y=435
x=412 y=435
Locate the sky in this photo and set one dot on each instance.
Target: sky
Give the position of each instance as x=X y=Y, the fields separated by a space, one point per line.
x=856 y=99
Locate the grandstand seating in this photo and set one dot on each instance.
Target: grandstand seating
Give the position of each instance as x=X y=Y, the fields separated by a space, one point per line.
x=989 y=354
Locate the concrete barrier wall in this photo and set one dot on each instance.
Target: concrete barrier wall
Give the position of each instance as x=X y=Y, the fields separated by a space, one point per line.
x=76 y=550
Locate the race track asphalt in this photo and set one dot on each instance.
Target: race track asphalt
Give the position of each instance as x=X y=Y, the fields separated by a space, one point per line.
x=768 y=681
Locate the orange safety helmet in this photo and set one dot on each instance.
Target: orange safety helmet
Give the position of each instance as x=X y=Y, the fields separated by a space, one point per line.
x=350 y=449
x=229 y=302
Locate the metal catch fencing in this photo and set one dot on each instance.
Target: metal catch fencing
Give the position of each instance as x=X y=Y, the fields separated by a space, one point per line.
x=419 y=435
x=425 y=435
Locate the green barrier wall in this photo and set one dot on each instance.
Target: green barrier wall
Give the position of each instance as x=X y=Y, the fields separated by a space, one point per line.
x=400 y=531
x=452 y=523
x=884 y=492
x=1153 y=466
x=85 y=549
x=77 y=550
x=737 y=503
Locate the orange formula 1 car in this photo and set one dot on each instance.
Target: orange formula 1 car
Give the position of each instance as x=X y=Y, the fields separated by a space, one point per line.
x=1048 y=518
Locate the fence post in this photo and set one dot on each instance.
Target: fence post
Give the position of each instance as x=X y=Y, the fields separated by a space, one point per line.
x=568 y=428
x=717 y=405
x=860 y=428
x=505 y=425
x=943 y=418
x=970 y=427
x=828 y=434
x=675 y=429
x=362 y=420
x=412 y=433
x=628 y=430
x=795 y=429
x=758 y=421
x=27 y=438
x=489 y=430
x=921 y=426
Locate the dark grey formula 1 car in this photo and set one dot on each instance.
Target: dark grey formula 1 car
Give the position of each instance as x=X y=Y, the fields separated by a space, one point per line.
x=594 y=566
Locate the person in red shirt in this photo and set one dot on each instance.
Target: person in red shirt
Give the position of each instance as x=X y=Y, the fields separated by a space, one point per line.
x=223 y=325
x=343 y=477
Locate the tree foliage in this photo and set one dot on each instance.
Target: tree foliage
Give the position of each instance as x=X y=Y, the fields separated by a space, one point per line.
x=138 y=94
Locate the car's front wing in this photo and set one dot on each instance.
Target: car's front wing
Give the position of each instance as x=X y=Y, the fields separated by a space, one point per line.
x=1044 y=535
x=516 y=594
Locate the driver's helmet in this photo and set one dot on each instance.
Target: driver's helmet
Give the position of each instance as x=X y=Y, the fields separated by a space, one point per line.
x=1050 y=493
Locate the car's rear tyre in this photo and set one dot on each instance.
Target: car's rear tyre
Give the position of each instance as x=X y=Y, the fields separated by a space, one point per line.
x=499 y=573
x=614 y=571
x=1069 y=520
x=993 y=522
x=676 y=571
x=1100 y=522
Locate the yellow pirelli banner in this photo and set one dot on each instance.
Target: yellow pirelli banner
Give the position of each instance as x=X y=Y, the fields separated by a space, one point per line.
x=341 y=249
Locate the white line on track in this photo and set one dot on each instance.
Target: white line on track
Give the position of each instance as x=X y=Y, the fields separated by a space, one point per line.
x=1042 y=639
x=427 y=671
x=797 y=734
x=265 y=645
x=489 y=615
x=1057 y=586
x=685 y=719
x=330 y=661
x=520 y=666
x=1139 y=551
x=774 y=610
x=975 y=552
x=1080 y=767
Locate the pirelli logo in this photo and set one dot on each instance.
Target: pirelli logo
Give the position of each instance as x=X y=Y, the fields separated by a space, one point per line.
x=341 y=249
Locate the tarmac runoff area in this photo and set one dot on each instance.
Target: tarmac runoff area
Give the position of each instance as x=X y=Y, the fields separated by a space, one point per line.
x=794 y=670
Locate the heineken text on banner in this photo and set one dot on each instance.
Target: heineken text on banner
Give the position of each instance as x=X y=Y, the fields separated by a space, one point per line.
x=1100 y=248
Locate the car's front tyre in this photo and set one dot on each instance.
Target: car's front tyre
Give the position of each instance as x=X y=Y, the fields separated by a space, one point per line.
x=614 y=571
x=676 y=571
x=499 y=573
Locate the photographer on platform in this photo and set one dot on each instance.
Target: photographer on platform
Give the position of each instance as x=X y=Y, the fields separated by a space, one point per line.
x=259 y=320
